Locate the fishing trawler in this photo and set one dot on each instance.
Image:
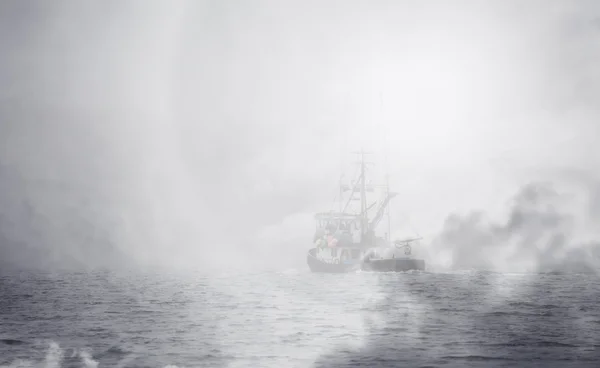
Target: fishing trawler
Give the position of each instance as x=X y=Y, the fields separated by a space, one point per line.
x=345 y=240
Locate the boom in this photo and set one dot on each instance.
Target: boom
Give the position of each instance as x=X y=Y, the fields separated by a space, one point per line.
x=381 y=210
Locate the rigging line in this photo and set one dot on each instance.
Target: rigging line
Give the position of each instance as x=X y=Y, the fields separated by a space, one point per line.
x=335 y=198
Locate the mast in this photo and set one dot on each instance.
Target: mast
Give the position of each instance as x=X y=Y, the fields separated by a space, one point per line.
x=341 y=195
x=363 y=192
x=387 y=187
x=387 y=172
x=363 y=186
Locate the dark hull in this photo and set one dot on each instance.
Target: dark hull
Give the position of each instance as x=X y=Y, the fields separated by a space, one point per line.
x=316 y=265
x=393 y=265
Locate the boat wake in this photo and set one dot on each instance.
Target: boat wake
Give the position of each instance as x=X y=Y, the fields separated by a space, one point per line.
x=57 y=357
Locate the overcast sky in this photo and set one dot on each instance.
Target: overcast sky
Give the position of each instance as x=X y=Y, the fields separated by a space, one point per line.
x=177 y=132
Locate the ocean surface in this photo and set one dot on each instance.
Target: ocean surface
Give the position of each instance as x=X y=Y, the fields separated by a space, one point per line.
x=294 y=318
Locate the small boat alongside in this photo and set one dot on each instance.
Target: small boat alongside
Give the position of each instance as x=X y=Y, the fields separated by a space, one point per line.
x=404 y=263
x=345 y=241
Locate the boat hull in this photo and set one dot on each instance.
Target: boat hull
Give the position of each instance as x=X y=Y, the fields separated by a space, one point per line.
x=317 y=265
x=393 y=265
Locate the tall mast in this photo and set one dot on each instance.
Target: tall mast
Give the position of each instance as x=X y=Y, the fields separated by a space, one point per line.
x=363 y=186
x=387 y=172
x=363 y=192
x=387 y=188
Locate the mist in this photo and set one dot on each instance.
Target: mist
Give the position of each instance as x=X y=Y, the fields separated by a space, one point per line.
x=544 y=231
x=205 y=134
